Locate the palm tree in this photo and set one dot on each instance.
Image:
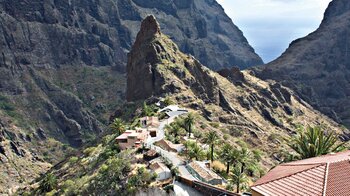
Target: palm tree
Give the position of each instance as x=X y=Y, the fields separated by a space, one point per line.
x=194 y=151
x=211 y=139
x=314 y=142
x=245 y=157
x=118 y=126
x=189 y=122
x=175 y=129
x=238 y=178
x=229 y=155
x=198 y=152
x=147 y=110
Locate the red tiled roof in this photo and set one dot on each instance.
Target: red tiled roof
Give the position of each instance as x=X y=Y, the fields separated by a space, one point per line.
x=325 y=175
x=335 y=157
x=338 y=178
x=283 y=171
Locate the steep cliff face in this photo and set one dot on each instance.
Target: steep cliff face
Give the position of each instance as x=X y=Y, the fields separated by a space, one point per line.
x=253 y=110
x=317 y=67
x=56 y=33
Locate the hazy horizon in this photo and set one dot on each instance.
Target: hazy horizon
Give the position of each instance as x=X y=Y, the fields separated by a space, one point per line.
x=270 y=25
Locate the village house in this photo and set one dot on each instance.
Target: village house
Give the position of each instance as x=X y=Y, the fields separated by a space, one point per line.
x=169 y=146
x=162 y=171
x=325 y=175
x=149 y=121
x=202 y=171
x=132 y=138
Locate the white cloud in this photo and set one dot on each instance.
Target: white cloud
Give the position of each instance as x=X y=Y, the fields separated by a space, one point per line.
x=270 y=25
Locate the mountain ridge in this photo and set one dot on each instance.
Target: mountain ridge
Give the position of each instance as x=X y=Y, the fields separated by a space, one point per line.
x=317 y=66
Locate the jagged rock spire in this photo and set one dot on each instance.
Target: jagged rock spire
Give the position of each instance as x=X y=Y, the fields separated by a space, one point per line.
x=141 y=79
x=149 y=29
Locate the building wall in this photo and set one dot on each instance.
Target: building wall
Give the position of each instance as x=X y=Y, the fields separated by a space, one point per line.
x=122 y=145
x=254 y=193
x=164 y=175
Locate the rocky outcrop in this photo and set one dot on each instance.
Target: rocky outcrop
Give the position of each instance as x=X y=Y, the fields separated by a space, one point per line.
x=233 y=74
x=151 y=70
x=317 y=66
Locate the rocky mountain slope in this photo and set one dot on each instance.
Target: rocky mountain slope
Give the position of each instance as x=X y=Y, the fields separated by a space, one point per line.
x=242 y=109
x=317 y=66
x=262 y=112
x=62 y=65
x=99 y=33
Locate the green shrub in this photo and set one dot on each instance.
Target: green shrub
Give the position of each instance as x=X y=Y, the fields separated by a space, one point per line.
x=5 y=104
x=168 y=101
x=111 y=173
x=197 y=134
x=111 y=150
x=215 y=124
x=48 y=183
x=70 y=188
x=89 y=151
x=51 y=193
x=236 y=132
x=8 y=107
x=203 y=126
x=140 y=180
x=73 y=160
x=225 y=137
x=229 y=186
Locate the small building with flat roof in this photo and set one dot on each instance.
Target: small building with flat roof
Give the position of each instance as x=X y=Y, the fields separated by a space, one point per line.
x=132 y=139
x=149 y=122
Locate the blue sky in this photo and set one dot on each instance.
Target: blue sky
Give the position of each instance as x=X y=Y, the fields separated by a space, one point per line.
x=270 y=25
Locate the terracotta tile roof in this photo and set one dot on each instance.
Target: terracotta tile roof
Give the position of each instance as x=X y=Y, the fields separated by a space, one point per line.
x=338 y=178
x=159 y=167
x=325 y=175
x=329 y=158
x=283 y=171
